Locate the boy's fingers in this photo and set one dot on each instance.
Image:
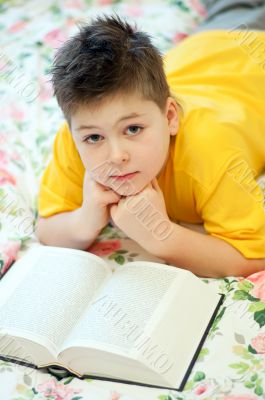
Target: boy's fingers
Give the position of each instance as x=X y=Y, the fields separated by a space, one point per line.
x=111 y=197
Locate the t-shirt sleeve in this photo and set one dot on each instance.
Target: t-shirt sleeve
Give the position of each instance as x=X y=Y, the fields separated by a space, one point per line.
x=61 y=185
x=233 y=209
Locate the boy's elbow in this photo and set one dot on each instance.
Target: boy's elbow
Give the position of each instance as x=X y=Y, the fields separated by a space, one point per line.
x=248 y=267
x=39 y=229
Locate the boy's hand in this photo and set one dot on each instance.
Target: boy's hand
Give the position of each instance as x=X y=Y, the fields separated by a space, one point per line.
x=96 y=201
x=140 y=225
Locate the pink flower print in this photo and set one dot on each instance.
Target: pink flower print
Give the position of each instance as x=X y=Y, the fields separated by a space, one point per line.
x=14 y=156
x=78 y=4
x=198 y=7
x=3 y=65
x=54 y=38
x=46 y=91
x=17 y=26
x=179 y=36
x=242 y=397
x=258 y=343
x=70 y=22
x=9 y=254
x=3 y=158
x=115 y=395
x=17 y=114
x=6 y=177
x=105 y=247
x=105 y=2
x=57 y=390
x=3 y=138
x=200 y=390
x=134 y=11
x=204 y=390
x=259 y=284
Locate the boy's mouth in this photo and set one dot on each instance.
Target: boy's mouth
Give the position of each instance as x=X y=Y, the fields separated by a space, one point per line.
x=126 y=176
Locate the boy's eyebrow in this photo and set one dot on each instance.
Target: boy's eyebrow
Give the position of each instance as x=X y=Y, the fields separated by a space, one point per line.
x=133 y=115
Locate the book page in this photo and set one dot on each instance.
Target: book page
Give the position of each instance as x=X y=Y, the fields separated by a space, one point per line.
x=47 y=290
x=120 y=312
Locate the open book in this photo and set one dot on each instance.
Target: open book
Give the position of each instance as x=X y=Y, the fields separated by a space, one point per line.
x=67 y=310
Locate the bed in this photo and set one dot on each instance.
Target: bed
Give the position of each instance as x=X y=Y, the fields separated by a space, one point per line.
x=231 y=364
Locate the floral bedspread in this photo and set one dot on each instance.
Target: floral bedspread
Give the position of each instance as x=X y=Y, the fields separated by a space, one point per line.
x=231 y=364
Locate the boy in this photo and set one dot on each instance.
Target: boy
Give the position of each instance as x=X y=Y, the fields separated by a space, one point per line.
x=127 y=142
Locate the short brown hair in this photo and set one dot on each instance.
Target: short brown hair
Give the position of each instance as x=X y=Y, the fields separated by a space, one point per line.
x=106 y=57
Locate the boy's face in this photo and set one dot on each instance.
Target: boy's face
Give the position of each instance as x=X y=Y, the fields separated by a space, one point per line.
x=122 y=135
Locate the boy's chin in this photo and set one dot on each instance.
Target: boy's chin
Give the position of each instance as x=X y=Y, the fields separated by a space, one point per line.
x=126 y=189
x=125 y=192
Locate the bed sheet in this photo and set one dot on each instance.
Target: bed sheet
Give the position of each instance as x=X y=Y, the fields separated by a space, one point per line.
x=231 y=364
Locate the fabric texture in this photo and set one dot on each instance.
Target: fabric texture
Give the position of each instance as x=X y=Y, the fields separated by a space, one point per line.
x=231 y=362
x=227 y=14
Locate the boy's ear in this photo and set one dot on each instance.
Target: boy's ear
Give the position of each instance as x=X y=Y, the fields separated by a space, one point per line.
x=172 y=115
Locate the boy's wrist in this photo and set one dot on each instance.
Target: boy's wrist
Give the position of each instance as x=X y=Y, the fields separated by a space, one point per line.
x=160 y=245
x=83 y=231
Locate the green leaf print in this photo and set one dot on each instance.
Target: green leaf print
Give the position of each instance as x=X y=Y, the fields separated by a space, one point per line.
x=217 y=320
x=245 y=285
x=119 y=259
x=240 y=295
x=249 y=385
x=256 y=307
x=241 y=367
x=204 y=352
x=251 y=298
x=239 y=338
x=27 y=380
x=199 y=376
x=258 y=390
x=56 y=10
x=68 y=380
x=189 y=385
x=259 y=317
x=181 y=4
x=40 y=139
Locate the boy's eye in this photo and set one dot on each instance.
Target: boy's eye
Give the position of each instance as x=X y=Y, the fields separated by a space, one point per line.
x=86 y=139
x=133 y=129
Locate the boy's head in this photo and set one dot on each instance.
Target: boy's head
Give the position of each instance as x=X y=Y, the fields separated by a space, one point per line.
x=107 y=71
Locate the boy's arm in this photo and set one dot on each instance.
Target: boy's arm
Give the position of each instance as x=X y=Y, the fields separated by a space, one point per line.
x=233 y=213
x=204 y=255
x=66 y=229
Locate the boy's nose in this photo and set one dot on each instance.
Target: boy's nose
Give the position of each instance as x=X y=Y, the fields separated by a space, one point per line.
x=118 y=155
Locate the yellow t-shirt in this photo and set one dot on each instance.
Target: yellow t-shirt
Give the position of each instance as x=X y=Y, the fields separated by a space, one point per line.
x=218 y=152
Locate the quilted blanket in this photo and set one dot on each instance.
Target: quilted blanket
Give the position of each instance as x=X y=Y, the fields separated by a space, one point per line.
x=231 y=364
